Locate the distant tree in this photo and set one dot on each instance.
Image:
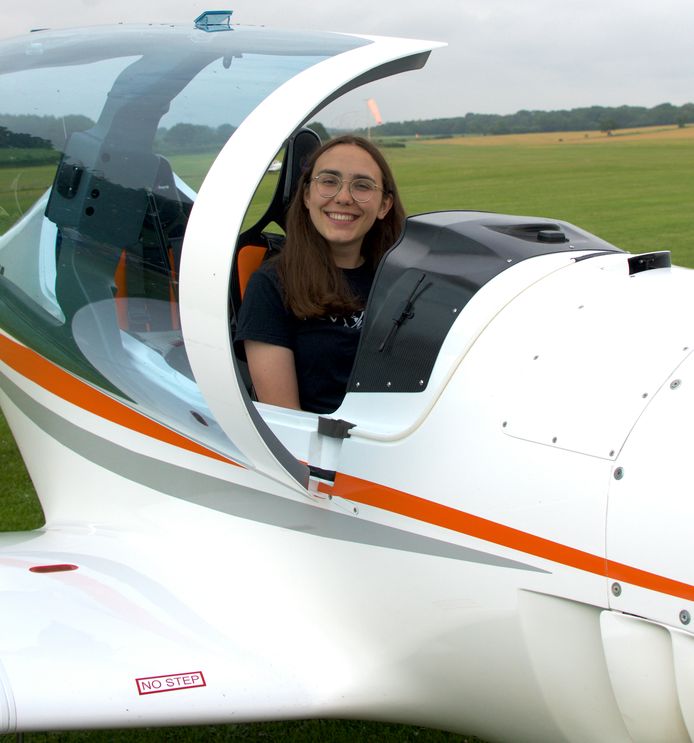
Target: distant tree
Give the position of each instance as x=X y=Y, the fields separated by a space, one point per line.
x=21 y=140
x=687 y=112
x=320 y=130
x=186 y=136
x=608 y=125
x=224 y=132
x=55 y=130
x=665 y=113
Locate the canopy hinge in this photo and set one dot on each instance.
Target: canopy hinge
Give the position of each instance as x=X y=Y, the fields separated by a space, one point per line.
x=334 y=428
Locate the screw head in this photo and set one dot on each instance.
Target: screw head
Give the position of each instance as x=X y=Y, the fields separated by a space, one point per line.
x=675 y=384
x=619 y=473
x=616 y=589
x=685 y=617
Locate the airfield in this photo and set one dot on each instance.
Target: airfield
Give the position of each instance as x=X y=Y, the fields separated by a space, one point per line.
x=630 y=187
x=669 y=133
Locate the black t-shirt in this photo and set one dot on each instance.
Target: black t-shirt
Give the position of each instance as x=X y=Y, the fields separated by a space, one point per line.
x=324 y=347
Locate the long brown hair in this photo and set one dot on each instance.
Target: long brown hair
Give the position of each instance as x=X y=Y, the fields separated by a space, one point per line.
x=313 y=285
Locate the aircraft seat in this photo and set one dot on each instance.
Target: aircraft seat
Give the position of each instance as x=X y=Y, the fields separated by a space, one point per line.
x=262 y=243
x=248 y=260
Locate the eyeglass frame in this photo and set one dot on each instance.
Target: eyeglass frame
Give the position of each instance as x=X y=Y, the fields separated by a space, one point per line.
x=341 y=182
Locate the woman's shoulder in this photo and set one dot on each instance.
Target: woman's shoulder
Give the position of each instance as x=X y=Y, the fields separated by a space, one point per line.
x=262 y=306
x=266 y=275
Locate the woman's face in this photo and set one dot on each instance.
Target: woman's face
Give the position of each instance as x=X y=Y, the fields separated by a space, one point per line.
x=340 y=219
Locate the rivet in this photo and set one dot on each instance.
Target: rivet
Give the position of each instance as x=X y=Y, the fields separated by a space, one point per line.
x=509 y=260
x=645 y=395
x=455 y=309
x=616 y=589
x=675 y=384
x=619 y=473
x=685 y=617
x=421 y=383
x=554 y=440
x=357 y=385
x=612 y=453
x=504 y=424
x=535 y=358
x=389 y=384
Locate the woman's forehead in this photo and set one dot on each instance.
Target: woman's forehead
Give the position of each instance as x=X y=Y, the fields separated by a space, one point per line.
x=350 y=160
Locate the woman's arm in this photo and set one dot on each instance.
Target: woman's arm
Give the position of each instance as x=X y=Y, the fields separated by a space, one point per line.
x=273 y=374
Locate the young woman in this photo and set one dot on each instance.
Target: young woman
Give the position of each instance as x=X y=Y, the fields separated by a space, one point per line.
x=303 y=311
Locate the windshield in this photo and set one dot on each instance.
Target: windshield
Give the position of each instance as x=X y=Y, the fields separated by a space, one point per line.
x=105 y=138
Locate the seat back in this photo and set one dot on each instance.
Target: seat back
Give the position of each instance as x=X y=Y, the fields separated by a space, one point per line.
x=248 y=261
x=147 y=270
x=255 y=245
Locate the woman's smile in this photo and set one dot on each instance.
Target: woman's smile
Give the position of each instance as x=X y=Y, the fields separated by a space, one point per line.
x=341 y=216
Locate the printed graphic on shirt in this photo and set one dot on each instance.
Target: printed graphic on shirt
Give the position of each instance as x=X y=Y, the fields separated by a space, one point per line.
x=353 y=321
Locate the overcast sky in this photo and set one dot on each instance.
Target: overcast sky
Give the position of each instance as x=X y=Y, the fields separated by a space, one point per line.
x=502 y=55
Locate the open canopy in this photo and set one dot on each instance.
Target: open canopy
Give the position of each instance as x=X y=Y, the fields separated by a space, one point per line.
x=152 y=141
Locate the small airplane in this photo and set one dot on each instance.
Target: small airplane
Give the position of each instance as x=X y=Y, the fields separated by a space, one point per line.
x=491 y=535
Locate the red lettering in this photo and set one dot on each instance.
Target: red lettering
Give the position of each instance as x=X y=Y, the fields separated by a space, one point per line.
x=152 y=684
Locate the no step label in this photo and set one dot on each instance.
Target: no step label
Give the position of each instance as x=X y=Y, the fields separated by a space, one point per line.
x=170 y=682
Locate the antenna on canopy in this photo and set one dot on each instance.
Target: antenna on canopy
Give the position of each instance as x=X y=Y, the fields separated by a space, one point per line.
x=214 y=20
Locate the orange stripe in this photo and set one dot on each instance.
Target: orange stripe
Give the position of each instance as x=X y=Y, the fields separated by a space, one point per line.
x=405 y=504
x=51 y=377
x=652 y=581
x=54 y=379
x=362 y=491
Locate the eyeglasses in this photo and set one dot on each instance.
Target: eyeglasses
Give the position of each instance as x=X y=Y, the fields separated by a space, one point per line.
x=361 y=189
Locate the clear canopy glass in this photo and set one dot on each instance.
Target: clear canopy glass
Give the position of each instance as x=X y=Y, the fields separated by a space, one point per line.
x=105 y=137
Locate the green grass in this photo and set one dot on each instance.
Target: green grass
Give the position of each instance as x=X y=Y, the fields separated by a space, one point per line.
x=11 y=157
x=636 y=195
x=20 y=187
x=19 y=506
x=300 y=731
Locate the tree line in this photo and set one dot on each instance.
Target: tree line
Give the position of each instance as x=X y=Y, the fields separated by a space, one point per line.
x=24 y=129
x=20 y=140
x=31 y=131
x=593 y=118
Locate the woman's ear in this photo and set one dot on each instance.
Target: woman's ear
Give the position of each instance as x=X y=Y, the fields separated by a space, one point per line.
x=386 y=204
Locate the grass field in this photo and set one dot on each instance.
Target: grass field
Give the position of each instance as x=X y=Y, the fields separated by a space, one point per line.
x=301 y=731
x=633 y=189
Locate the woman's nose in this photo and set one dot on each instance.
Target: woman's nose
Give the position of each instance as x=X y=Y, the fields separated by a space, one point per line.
x=344 y=194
